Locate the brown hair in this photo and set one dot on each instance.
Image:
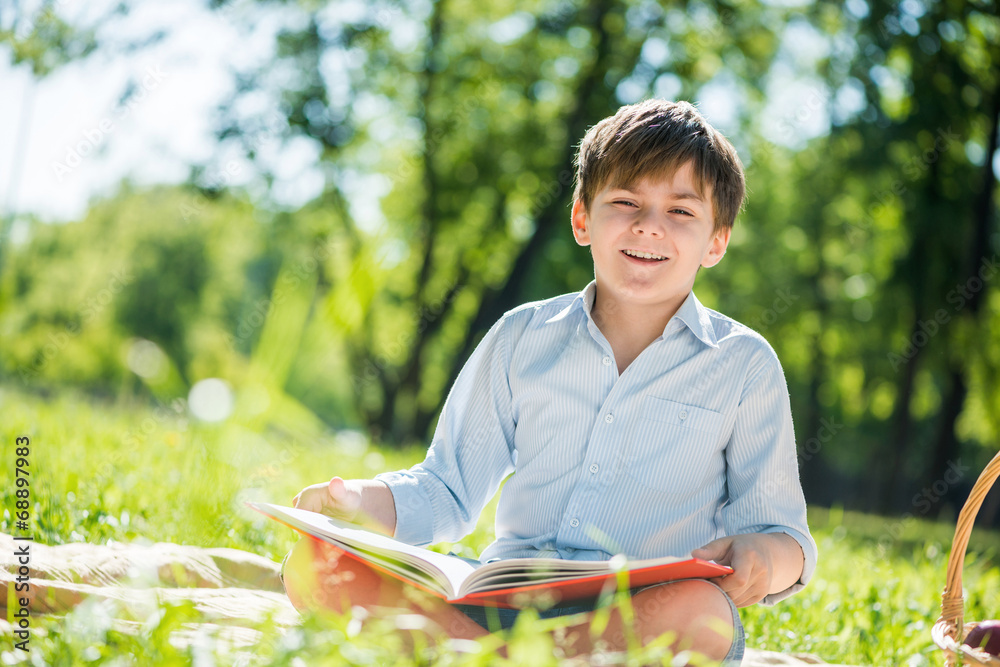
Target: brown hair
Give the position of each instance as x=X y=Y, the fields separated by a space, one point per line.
x=653 y=139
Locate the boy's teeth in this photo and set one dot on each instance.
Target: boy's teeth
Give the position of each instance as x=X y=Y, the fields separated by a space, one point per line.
x=643 y=255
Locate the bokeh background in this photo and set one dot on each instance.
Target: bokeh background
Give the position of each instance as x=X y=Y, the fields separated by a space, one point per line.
x=295 y=219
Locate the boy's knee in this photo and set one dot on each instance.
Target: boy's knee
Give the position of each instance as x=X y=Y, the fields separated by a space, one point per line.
x=318 y=576
x=693 y=610
x=298 y=574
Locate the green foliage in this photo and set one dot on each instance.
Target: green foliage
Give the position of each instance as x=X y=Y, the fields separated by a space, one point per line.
x=462 y=117
x=445 y=135
x=121 y=471
x=874 y=597
x=40 y=37
x=139 y=266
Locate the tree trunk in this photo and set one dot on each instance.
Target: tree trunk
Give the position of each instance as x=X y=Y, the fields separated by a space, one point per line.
x=902 y=423
x=495 y=302
x=947 y=446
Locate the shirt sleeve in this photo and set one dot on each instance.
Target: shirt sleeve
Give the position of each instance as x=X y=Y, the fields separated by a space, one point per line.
x=441 y=498
x=765 y=494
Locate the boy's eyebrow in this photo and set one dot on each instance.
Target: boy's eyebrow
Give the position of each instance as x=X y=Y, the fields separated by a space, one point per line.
x=676 y=195
x=688 y=195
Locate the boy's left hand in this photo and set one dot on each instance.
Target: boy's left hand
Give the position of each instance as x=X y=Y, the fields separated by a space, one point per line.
x=762 y=563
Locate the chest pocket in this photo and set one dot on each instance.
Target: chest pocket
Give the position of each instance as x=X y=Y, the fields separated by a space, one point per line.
x=673 y=447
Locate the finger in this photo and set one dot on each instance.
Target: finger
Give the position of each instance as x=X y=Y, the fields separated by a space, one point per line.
x=716 y=550
x=741 y=596
x=718 y=581
x=307 y=500
x=738 y=591
x=345 y=501
x=337 y=490
x=749 y=597
x=746 y=585
x=731 y=586
x=295 y=500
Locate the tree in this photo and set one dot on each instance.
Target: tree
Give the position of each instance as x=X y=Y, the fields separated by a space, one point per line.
x=464 y=120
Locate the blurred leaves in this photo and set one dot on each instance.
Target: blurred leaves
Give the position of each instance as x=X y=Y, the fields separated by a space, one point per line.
x=41 y=37
x=443 y=137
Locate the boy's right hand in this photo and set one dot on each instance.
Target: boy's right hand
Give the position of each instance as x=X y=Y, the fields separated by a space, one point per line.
x=366 y=502
x=336 y=498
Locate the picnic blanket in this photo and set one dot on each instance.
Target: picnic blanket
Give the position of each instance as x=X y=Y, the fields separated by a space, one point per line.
x=232 y=591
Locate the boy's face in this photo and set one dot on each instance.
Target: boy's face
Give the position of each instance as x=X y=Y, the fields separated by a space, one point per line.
x=649 y=240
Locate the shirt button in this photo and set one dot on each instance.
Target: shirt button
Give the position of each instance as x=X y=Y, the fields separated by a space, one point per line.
x=594 y=467
x=609 y=418
x=683 y=414
x=606 y=360
x=574 y=523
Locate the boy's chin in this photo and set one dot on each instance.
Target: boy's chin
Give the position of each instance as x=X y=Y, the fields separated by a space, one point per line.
x=648 y=295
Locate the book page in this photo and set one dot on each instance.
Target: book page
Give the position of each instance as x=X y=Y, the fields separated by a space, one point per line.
x=448 y=571
x=535 y=571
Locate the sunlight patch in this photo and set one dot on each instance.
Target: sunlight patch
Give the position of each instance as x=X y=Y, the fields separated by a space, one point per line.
x=211 y=400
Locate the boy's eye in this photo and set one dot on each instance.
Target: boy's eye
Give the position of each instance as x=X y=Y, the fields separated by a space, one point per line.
x=681 y=211
x=625 y=202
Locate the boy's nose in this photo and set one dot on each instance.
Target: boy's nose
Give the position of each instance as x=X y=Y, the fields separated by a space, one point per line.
x=648 y=225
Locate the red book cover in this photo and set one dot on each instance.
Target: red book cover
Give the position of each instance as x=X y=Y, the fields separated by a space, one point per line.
x=515 y=582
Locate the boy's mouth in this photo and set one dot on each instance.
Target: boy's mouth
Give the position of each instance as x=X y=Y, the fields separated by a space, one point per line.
x=644 y=256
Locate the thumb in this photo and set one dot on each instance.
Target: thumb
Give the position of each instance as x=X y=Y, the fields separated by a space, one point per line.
x=344 y=500
x=715 y=550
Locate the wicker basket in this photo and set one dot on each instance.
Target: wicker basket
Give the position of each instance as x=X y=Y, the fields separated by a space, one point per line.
x=946 y=630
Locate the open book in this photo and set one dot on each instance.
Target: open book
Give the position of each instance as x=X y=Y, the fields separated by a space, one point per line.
x=516 y=582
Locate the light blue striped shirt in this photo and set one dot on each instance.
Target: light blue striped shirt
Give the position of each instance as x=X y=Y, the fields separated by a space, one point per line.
x=692 y=442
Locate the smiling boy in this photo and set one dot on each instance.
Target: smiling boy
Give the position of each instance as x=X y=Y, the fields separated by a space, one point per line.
x=648 y=240
x=634 y=419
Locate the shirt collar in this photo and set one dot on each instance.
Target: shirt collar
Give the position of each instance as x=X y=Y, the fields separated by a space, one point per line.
x=697 y=319
x=691 y=314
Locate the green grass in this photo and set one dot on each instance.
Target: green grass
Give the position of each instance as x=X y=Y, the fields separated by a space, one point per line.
x=102 y=473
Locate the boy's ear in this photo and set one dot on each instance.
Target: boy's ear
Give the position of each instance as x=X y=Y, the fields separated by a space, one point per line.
x=580 y=222
x=717 y=248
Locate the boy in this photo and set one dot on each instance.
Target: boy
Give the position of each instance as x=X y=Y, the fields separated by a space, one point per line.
x=636 y=421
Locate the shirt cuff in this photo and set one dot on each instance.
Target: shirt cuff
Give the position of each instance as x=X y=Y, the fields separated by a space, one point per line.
x=414 y=517
x=808 y=566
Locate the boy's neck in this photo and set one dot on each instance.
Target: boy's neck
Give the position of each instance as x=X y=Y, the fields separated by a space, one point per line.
x=630 y=328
